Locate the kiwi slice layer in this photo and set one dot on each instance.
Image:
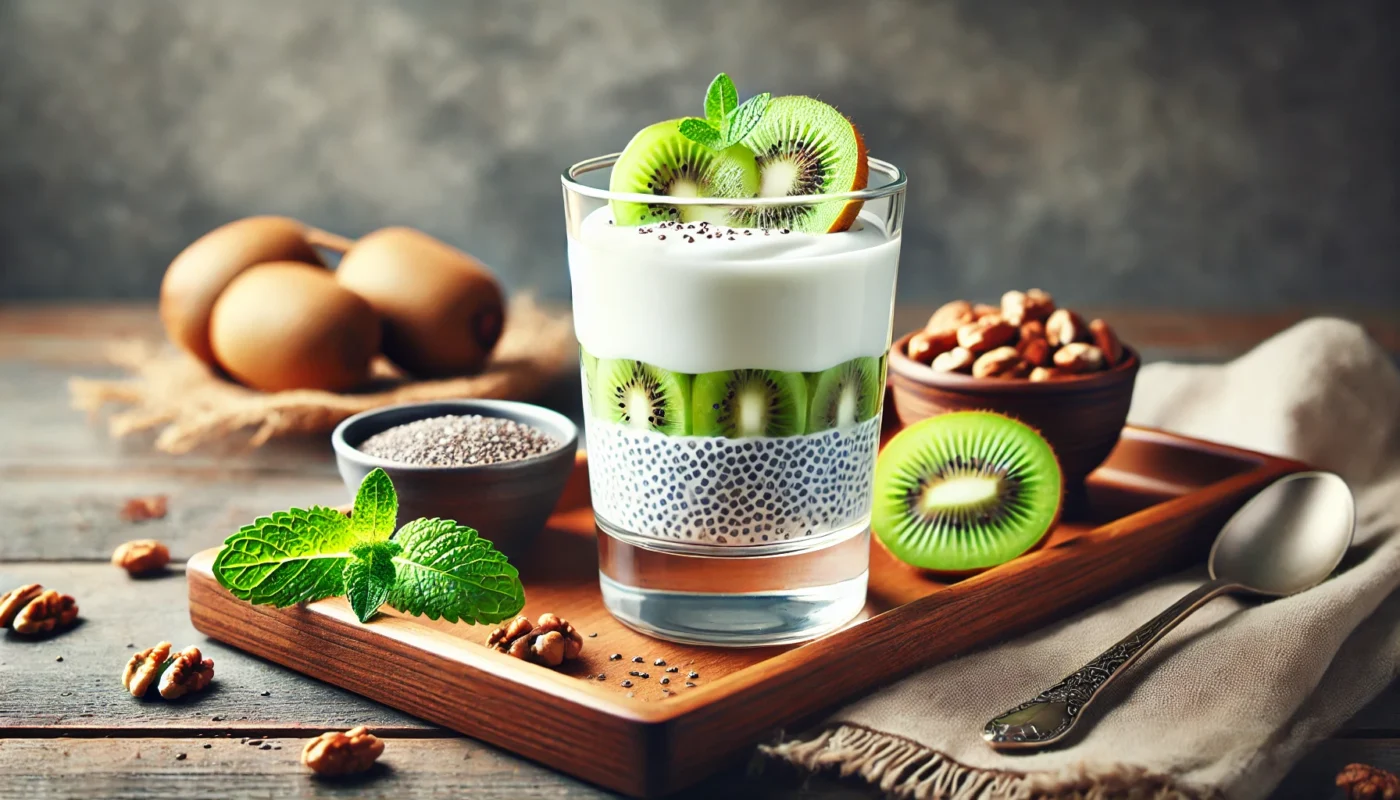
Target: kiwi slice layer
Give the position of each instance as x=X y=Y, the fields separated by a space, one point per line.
x=844 y=395
x=749 y=402
x=641 y=396
x=660 y=161
x=804 y=146
x=965 y=491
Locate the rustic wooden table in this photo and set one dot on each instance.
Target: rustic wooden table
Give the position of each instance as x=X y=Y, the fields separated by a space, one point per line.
x=68 y=730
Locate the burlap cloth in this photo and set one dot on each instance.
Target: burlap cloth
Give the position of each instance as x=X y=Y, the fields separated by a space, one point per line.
x=1227 y=702
x=193 y=406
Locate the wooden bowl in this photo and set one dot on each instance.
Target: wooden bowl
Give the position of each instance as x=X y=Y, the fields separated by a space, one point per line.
x=1080 y=415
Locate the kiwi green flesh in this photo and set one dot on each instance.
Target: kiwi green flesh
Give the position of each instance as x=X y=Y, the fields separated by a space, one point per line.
x=641 y=396
x=660 y=161
x=749 y=402
x=803 y=146
x=844 y=394
x=965 y=491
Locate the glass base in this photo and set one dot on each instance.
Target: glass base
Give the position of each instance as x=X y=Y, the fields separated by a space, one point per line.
x=723 y=598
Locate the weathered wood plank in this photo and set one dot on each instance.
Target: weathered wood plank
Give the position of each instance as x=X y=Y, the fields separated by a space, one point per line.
x=150 y=769
x=84 y=690
x=56 y=514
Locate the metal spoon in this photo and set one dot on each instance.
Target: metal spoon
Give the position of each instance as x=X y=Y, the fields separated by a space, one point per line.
x=1288 y=538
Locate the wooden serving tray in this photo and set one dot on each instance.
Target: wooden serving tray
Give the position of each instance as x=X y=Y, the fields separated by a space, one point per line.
x=1153 y=507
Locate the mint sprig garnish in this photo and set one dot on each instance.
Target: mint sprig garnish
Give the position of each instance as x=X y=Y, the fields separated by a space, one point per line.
x=431 y=567
x=447 y=570
x=727 y=121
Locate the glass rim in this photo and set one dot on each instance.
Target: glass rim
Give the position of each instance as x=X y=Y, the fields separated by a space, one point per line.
x=897 y=183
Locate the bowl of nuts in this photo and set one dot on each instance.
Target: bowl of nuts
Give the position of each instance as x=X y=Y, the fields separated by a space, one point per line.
x=1072 y=380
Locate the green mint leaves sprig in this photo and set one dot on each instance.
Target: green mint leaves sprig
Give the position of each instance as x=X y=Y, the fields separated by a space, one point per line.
x=726 y=121
x=430 y=567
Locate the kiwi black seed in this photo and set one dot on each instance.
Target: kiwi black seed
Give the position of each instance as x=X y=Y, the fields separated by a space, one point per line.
x=661 y=161
x=749 y=402
x=844 y=395
x=965 y=491
x=642 y=396
x=804 y=146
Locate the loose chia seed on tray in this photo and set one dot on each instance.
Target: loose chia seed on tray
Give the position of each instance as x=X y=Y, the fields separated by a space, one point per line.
x=458 y=441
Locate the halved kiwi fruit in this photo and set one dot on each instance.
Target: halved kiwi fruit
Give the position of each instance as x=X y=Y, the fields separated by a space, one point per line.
x=965 y=491
x=660 y=161
x=641 y=396
x=749 y=402
x=804 y=146
x=844 y=395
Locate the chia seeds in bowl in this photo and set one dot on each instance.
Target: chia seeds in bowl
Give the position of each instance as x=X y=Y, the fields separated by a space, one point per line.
x=466 y=440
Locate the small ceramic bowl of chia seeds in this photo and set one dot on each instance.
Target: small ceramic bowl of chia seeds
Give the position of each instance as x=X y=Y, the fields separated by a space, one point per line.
x=495 y=465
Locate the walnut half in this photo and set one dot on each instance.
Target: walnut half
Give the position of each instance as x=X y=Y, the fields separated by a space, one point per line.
x=189 y=672
x=13 y=601
x=335 y=753
x=142 y=556
x=144 y=667
x=551 y=642
x=1365 y=782
x=48 y=612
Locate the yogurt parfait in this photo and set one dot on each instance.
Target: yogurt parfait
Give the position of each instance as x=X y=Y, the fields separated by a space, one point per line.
x=733 y=286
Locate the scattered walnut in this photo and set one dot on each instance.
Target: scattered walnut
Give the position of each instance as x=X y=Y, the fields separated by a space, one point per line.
x=950 y=317
x=143 y=668
x=140 y=509
x=142 y=556
x=551 y=642
x=12 y=601
x=1043 y=374
x=188 y=673
x=1020 y=307
x=987 y=333
x=1078 y=357
x=959 y=359
x=1365 y=782
x=1001 y=362
x=1064 y=326
x=48 y=612
x=334 y=753
x=1107 y=341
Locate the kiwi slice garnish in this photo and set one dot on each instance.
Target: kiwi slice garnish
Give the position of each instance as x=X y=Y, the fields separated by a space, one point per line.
x=804 y=146
x=965 y=491
x=749 y=402
x=660 y=161
x=844 y=395
x=641 y=396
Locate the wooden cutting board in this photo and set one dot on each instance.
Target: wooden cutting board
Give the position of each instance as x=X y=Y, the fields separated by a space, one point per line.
x=1153 y=507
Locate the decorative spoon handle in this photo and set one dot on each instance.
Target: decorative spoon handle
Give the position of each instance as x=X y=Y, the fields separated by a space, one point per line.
x=1052 y=713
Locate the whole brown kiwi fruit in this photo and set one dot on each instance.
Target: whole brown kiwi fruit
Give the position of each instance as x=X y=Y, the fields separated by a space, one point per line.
x=289 y=325
x=442 y=309
x=199 y=274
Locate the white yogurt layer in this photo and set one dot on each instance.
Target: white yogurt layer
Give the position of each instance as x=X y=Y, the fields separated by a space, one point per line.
x=743 y=299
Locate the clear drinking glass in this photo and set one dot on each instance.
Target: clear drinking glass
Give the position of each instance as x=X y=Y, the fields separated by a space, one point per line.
x=737 y=538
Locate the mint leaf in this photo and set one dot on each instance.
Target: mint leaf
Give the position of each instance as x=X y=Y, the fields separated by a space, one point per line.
x=293 y=556
x=698 y=130
x=369 y=576
x=720 y=100
x=745 y=118
x=376 y=508
x=447 y=570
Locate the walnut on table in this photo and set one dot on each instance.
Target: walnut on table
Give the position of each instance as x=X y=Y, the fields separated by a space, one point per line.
x=189 y=672
x=141 y=557
x=14 y=601
x=49 y=612
x=334 y=753
x=551 y=642
x=1365 y=782
x=144 y=667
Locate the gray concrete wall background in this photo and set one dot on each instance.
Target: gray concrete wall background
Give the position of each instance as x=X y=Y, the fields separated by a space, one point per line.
x=1143 y=153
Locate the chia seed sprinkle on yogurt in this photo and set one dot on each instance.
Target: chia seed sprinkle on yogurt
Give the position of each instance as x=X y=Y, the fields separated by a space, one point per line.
x=458 y=441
